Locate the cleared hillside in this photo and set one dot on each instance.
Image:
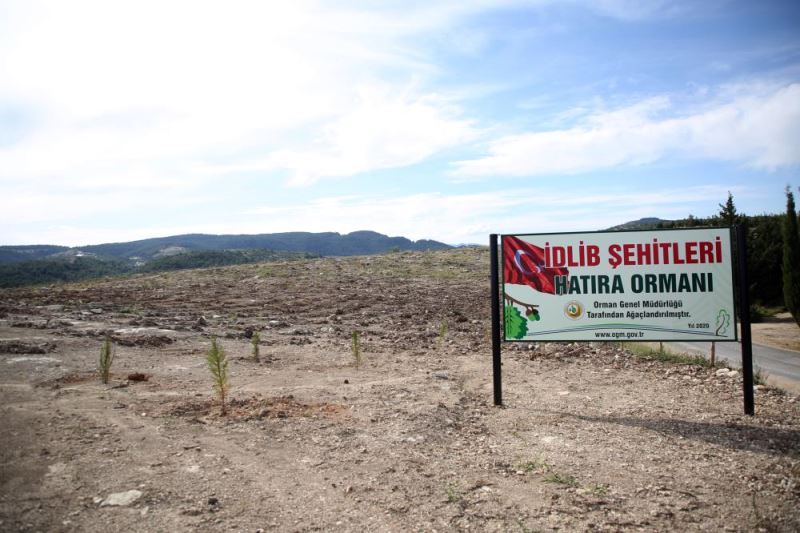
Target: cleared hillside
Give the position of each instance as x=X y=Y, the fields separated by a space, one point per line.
x=592 y=438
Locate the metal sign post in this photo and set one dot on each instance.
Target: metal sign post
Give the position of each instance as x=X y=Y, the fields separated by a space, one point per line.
x=744 y=315
x=630 y=286
x=496 y=343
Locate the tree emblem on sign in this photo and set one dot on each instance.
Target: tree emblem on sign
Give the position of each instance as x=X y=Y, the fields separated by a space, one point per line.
x=516 y=326
x=723 y=322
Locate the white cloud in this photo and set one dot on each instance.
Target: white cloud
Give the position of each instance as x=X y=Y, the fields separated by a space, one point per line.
x=128 y=108
x=635 y=9
x=155 y=91
x=159 y=85
x=31 y=206
x=451 y=218
x=76 y=234
x=384 y=129
x=760 y=130
x=462 y=218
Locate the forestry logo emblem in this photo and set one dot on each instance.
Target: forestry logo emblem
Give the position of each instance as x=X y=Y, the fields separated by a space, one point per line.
x=573 y=309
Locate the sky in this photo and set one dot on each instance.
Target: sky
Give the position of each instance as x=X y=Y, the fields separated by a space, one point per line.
x=446 y=120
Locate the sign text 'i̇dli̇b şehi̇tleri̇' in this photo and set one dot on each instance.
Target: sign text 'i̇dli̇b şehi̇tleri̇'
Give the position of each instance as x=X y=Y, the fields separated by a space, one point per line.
x=632 y=285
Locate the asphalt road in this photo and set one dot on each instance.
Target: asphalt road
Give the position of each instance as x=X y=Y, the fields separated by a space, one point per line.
x=782 y=365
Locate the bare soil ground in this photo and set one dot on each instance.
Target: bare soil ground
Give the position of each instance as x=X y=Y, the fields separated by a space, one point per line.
x=780 y=331
x=592 y=438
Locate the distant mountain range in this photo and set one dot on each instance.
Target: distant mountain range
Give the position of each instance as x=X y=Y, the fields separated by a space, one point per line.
x=642 y=223
x=144 y=251
x=38 y=264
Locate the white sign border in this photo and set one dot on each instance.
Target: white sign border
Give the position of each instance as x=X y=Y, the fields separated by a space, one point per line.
x=734 y=284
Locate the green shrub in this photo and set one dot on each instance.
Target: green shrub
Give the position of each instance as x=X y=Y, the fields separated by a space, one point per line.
x=645 y=352
x=758 y=313
x=537 y=464
x=759 y=376
x=454 y=494
x=562 y=479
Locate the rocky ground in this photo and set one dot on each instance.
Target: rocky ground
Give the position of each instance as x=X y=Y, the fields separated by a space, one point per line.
x=592 y=437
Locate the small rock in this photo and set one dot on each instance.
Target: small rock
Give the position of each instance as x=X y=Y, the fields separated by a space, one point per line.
x=441 y=375
x=121 y=499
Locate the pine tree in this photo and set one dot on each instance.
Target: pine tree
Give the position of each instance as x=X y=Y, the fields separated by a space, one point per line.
x=218 y=366
x=791 y=259
x=106 y=358
x=727 y=212
x=728 y=216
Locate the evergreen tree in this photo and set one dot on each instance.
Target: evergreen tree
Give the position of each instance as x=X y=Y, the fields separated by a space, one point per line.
x=727 y=212
x=218 y=366
x=791 y=259
x=728 y=216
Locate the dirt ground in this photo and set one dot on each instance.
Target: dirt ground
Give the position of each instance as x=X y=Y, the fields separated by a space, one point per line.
x=780 y=331
x=592 y=437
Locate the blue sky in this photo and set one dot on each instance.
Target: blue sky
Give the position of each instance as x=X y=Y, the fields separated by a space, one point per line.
x=443 y=120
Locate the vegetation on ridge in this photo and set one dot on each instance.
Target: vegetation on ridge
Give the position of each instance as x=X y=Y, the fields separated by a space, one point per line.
x=83 y=268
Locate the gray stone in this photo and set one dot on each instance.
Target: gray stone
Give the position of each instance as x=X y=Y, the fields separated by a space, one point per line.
x=121 y=499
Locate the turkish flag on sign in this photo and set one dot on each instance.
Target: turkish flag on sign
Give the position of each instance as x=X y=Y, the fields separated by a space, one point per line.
x=523 y=264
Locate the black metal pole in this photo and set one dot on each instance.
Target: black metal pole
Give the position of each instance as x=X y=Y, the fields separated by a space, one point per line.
x=744 y=315
x=496 y=363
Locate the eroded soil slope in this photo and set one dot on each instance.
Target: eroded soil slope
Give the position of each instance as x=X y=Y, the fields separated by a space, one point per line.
x=591 y=438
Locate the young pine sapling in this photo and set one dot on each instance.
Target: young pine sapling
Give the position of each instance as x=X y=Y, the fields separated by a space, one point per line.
x=106 y=358
x=254 y=340
x=218 y=366
x=356 y=347
x=442 y=334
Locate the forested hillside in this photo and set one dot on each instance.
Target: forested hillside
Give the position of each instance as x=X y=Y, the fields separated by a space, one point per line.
x=37 y=264
x=43 y=271
x=355 y=243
